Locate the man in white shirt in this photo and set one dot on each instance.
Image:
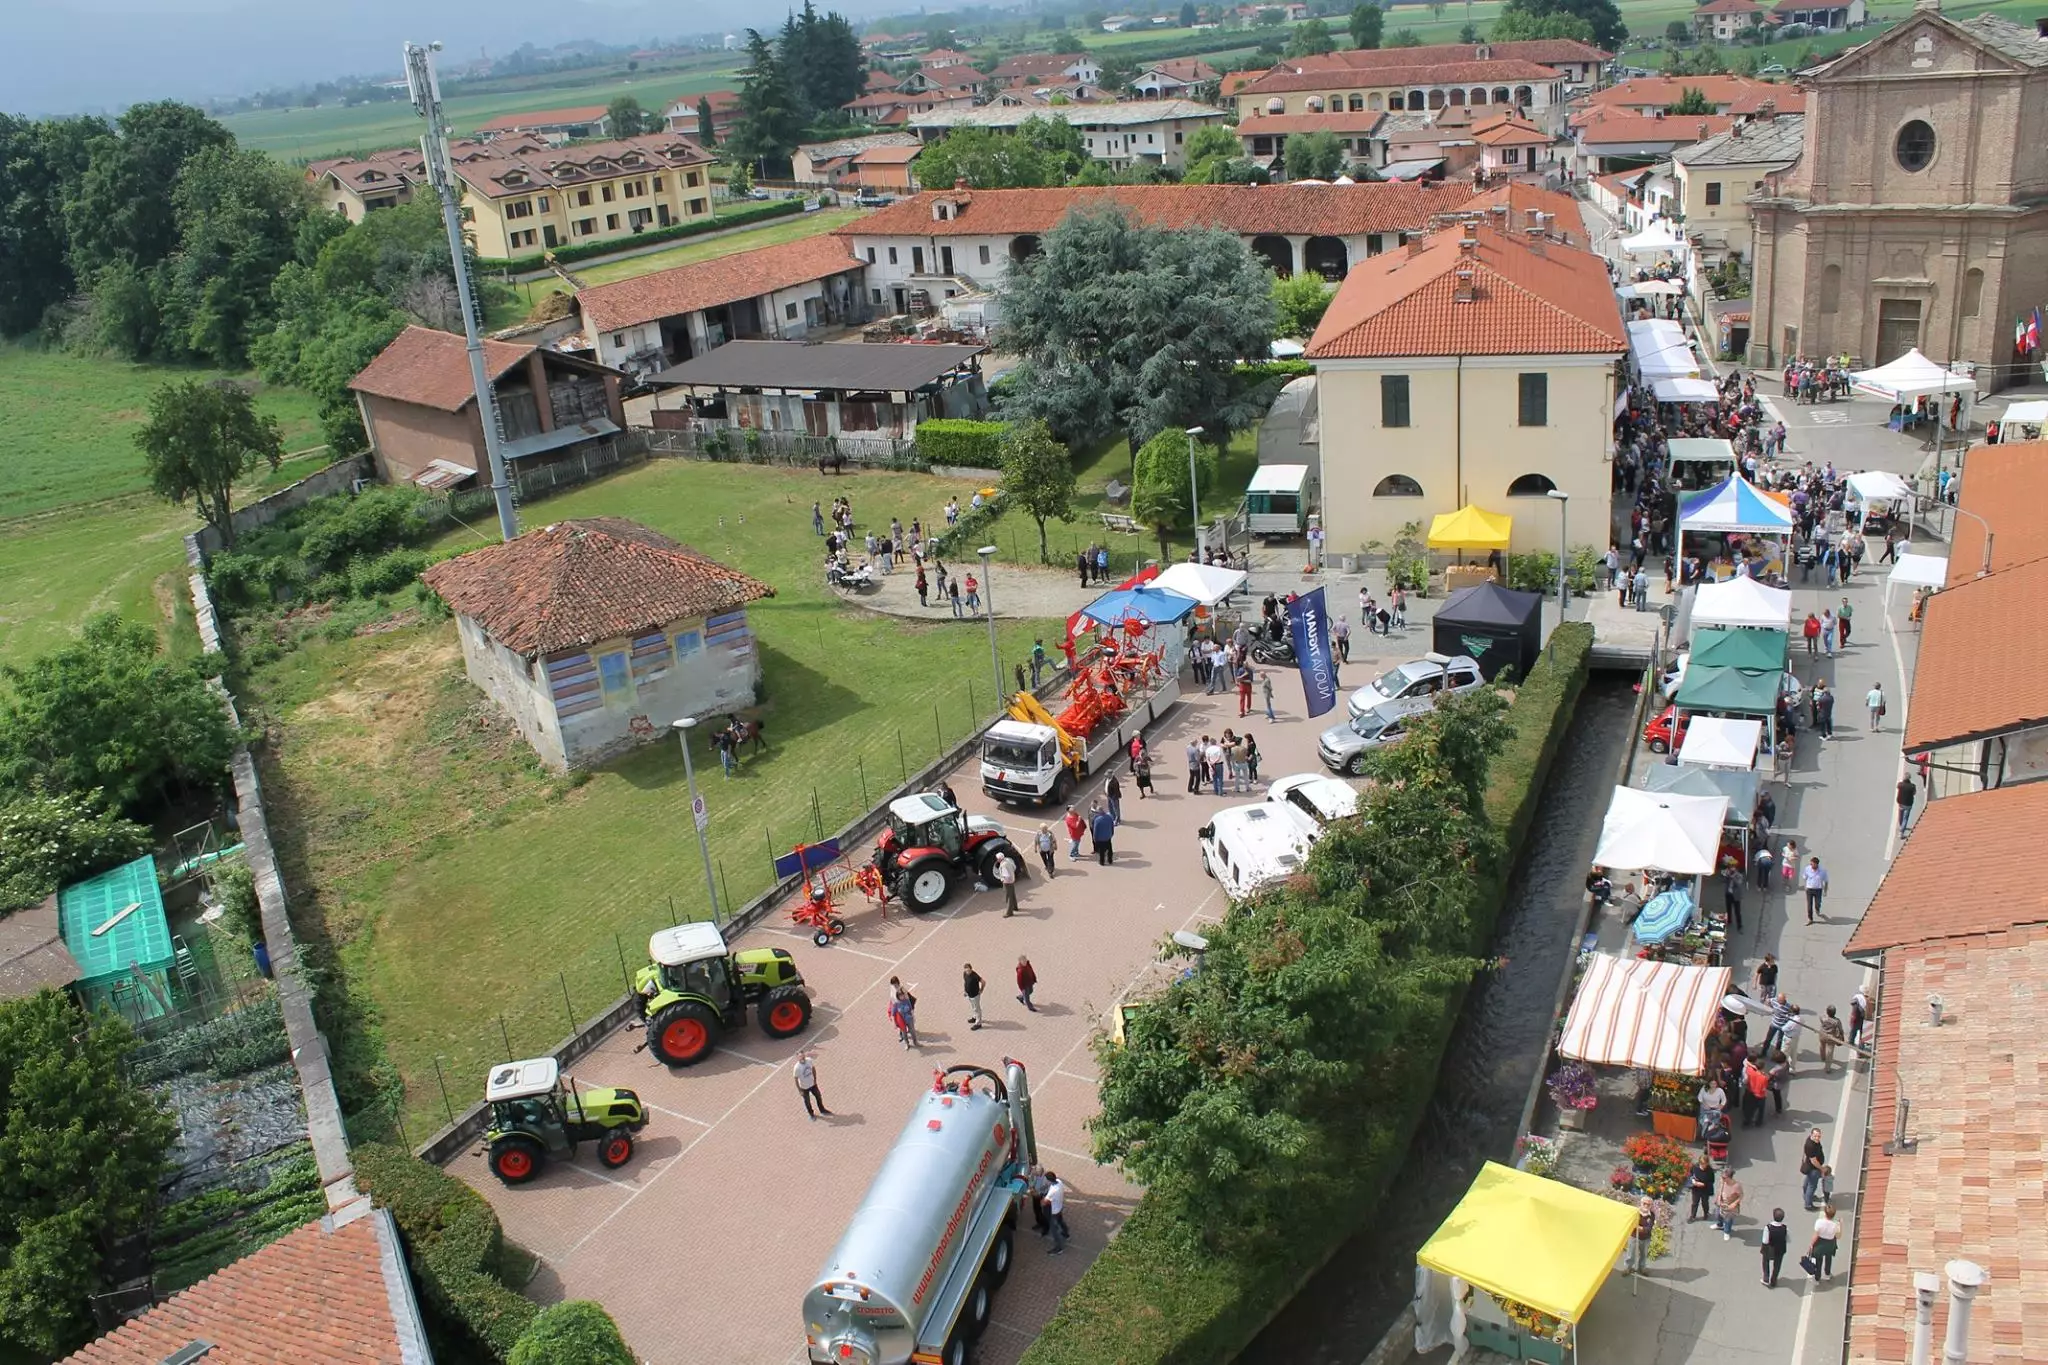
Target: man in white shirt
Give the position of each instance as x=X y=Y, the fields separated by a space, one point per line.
x=1814 y=878
x=1006 y=874
x=1056 y=1210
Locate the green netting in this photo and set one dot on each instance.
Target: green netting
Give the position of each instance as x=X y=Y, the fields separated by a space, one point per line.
x=141 y=939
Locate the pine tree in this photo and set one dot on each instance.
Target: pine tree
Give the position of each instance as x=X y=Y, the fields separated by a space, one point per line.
x=771 y=121
x=707 y=131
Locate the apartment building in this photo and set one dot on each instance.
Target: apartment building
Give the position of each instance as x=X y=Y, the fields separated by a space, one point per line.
x=603 y=191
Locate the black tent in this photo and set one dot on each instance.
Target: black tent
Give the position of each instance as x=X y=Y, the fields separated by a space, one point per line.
x=1499 y=627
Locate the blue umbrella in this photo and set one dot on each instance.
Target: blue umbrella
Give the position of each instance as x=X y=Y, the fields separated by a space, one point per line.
x=1664 y=916
x=1158 y=605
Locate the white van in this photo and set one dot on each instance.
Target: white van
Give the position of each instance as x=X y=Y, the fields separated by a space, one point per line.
x=1319 y=796
x=1249 y=848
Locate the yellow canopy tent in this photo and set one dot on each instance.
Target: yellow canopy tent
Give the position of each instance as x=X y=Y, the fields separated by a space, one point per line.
x=1531 y=1239
x=1470 y=528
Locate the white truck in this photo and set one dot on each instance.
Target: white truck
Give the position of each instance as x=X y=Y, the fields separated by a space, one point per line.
x=1251 y=848
x=914 y=1276
x=1029 y=759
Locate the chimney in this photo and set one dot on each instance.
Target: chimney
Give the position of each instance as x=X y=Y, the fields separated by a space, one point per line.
x=1415 y=245
x=1926 y=1287
x=1466 y=293
x=960 y=183
x=1468 y=234
x=1965 y=1278
x=1768 y=110
x=1536 y=219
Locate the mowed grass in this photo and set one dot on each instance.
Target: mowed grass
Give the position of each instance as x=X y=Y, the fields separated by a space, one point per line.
x=773 y=233
x=461 y=883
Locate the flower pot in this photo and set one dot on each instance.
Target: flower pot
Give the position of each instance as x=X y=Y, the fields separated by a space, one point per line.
x=1680 y=1127
x=1572 y=1120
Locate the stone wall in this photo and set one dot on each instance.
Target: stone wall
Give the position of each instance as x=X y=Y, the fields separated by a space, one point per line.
x=338 y=477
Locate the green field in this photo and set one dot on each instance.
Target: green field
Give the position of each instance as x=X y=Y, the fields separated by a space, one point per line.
x=432 y=848
x=773 y=233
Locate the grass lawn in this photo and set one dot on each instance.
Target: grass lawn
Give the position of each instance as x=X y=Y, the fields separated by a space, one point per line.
x=431 y=846
x=772 y=233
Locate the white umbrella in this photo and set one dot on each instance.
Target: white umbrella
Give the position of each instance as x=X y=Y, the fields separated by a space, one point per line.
x=1662 y=831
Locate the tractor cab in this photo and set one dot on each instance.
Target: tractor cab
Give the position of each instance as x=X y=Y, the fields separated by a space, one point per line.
x=696 y=987
x=691 y=959
x=926 y=821
x=526 y=1097
x=535 y=1116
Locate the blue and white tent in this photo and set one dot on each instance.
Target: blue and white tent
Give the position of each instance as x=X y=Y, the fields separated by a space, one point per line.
x=1156 y=605
x=1735 y=504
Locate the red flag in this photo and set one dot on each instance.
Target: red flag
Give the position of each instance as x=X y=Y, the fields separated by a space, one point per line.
x=2034 y=333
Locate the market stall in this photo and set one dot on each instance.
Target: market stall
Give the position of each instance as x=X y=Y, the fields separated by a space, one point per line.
x=1742 y=602
x=1661 y=831
x=1535 y=1250
x=1154 y=606
x=1686 y=391
x=1498 y=627
x=1658 y=239
x=1721 y=647
x=1207 y=584
x=1920 y=571
x=1735 y=510
x=1470 y=528
x=1698 y=462
x=1912 y=377
x=1728 y=690
x=1660 y=350
x=2023 y=421
x=1653 y=1016
x=1721 y=742
x=1876 y=500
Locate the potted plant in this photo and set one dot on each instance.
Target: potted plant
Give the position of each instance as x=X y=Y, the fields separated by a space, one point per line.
x=1674 y=1107
x=1571 y=1090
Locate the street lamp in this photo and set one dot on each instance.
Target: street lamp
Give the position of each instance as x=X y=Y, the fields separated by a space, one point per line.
x=1563 y=592
x=1194 y=492
x=988 y=597
x=698 y=814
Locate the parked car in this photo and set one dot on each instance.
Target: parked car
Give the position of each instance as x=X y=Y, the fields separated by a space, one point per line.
x=1318 y=795
x=1343 y=748
x=1772 y=69
x=758 y=193
x=1250 y=848
x=868 y=199
x=1423 y=677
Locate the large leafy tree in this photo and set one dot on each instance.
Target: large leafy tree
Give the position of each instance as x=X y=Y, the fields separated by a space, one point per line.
x=1311 y=38
x=988 y=160
x=771 y=113
x=1300 y=302
x=1124 y=328
x=1216 y=157
x=1161 y=496
x=82 y=1149
x=707 y=128
x=1368 y=22
x=48 y=838
x=824 y=59
x=1314 y=156
x=1603 y=16
x=1038 y=476
x=238 y=216
x=200 y=439
x=625 y=118
x=1519 y=27
x=109 y=711
x=33 y=271
x=122 y=208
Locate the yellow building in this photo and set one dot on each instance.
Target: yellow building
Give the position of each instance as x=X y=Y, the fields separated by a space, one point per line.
x=1716 y=177
x=355 y=186
x=597 y=192
x=1475 y=365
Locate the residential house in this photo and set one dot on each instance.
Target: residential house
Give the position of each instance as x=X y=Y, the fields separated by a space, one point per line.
x=1618 y=139
x=1637 y=197
x=1830 y=16
x=942 y=58
x=419 y=407
x=555 y=125
x=1917 y=212
x=1431 y=145
x=597 y=635
x=354 y=186
x=1400 y=80
x=1520 y=207
x=1477 y=366
x=1716 y=178
x=680 y=117
x=886 y=166
x=1264 y=136
x=1728 y=21
x=652 y=321
x=1140 y=133
x=895 y=108
x=961 y=240
x=602 y=191
x=336 y=1289
x=1723 y=95
x=850 y=391
x=1045 y=68
x=1511 y=147
x=1175 y=77
x=830 y=164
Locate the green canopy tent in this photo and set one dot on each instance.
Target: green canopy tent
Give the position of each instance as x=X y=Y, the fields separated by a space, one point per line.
x=114 y=924
x=1738 y=647
x=1730 y=691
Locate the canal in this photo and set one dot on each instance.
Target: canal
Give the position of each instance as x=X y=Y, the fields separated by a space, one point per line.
x=1499 y=1043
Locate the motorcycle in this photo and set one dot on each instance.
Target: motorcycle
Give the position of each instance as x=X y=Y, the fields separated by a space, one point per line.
x=1276 y=652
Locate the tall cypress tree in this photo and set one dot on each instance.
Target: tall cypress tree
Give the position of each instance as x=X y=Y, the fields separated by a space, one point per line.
x=770 y=120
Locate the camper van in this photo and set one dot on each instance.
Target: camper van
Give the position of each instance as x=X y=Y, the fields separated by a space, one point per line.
x=1277 y=502
x=1319 y=796
x=1250 y=848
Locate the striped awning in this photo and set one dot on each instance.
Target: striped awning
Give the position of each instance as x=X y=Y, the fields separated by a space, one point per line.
x=1631 y=1012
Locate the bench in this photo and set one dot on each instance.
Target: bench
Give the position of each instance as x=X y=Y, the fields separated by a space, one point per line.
x=1116 y=494
x=1117 y=521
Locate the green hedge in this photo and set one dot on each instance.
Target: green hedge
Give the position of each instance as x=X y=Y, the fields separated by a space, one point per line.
x=578 y=1332
x=960 y=442
x=564 y=255
x=455 y=1242
x=1149 y=1300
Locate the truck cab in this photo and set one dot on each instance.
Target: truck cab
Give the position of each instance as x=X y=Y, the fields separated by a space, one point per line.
x=1250 y=848
x=1023 y=762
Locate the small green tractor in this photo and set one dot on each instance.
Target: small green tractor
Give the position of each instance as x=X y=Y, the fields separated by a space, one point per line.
x=535 y=1116
x=697 y=988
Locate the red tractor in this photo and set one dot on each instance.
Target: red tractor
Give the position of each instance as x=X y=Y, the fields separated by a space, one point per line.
x=930 y=844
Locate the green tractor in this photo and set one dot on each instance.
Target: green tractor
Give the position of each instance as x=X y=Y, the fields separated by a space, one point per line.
x=697 y=988
x=534 y=1117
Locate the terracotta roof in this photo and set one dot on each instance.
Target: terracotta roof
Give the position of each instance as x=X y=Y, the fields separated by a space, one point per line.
x=890 y=154
x=1783 y=99
x=2003 y=485
x=578 y=582
x=585 y=164
x=1280 y=125
x=1972 y=1188
x=1660 y=92
x=707 y=284
x=1235 y=81
x=320 y=1296
x=32 y=951
x=431 y=369
x=1522 y=200
x=1983 y=665
x=544 y=118
x=1542 y=51
x=1729 y=7
x=1035 y=65
x=1290 y=79
x=1190 y=69
x=1510 y=130
x=1635 y=130
x=1971 y=867
x=1314 y=210
x=1529 y=299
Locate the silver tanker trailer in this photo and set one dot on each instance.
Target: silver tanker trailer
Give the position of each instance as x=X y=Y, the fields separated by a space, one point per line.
x=913 y=1277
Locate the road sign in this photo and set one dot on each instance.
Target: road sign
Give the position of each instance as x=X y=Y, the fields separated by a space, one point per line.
x=703 y=815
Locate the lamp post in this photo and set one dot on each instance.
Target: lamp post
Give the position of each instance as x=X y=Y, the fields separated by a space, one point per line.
x=1563 y=592
x=1194 y=493
x=698 y=814
x=988 y=597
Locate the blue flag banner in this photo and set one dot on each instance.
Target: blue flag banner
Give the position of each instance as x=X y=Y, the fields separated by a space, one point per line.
x=1308 y=622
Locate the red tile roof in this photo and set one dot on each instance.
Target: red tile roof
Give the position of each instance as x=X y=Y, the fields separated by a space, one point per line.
x=887 y=156
x=1191 y=69
x=1972 y=1188
x=431 y=369
x=578 y=582
x=584 y=164
x=313 y=1297
x=1729 y=7
x=1510 y=130
x=1416 y=71
x=1973 y=866
x=1603 y=128
x=544 y=118
x=1280 y=125
x=1314 y=210
x=1661 y=92
x=1529 y=298
x=1542 y=51
x=1983 y=659
x=2003 y=485
x=1783 y=99
x=1522 y=200
x=1033 y=66
x=707 y=284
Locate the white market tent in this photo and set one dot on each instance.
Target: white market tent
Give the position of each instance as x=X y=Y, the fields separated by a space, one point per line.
x=1720 y=742
x=1734 y=504
x=1662 y=831
x=1636 y=1013
x=1650 y=289
x=1742 y=601
x=1913 y=376
x=2024 y=414
x=1920 y=571
x=1686 y=391
x=1879 y=485
x=1208 y=584
x=1698 y=449
x=1656 y=240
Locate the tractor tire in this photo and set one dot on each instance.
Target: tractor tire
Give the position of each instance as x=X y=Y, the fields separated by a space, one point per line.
x=615 y=1149
x=785 y=1012
x=974 y=1314
x=987 y=864
x=926 y=885
x=683 y=1034
x=1659 y=746
x=1001 y=1255
x=516 y=1160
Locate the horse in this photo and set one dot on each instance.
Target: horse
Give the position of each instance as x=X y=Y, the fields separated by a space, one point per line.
x=744 y=732
x=834 y=460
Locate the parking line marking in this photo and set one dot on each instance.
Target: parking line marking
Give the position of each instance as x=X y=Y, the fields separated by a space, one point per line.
x=1085 y=1080
x=674 y=1115
x=1063 y=1151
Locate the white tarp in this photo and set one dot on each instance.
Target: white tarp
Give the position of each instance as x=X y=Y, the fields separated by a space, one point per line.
x=1699 y=449
x=1637 y=1013
x=1686 y=391
x=1662 y=831
x=1650 y=289
x=2025 y=414
x=1742 y=601
x=1920 y=571
x=1661 y=351
x=1913 y=376
x=1206 y=583
x=1879 y=485
x=1656 y=240
x=1720 y=742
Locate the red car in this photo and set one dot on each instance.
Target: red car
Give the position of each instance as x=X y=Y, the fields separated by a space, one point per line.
x=1666 y=730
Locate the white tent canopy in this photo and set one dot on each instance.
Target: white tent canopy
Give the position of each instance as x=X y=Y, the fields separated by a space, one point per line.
x=1702 y=449
x=1206 y=583
x=1685 y=390
x=1721 y=742
x=1913 y=376
x=1920 y=571
x=1879 y=485
x=1655 y=240
x=1649 y=289
x=1662 y=831
x=1637 y=1013
x=2030 y=413
x=1742 y=601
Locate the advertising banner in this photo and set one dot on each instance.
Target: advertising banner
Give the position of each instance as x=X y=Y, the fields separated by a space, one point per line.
x=1308 y=622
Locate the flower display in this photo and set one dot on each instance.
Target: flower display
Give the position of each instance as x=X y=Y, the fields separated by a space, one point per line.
x=1535 y=1322
x=1537 y=1155
x=1571 y=1086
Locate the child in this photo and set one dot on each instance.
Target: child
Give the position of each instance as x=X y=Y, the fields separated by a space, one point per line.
x=1788 y=861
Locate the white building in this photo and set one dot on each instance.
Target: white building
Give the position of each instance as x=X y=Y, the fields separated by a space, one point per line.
x=1142 y=132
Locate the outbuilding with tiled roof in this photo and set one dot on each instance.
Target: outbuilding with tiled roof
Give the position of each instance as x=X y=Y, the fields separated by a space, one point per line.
x=597 y=635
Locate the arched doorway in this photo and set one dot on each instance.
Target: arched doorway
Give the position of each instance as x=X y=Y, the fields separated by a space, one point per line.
x=1436 y=99
x=1524 y=96
x=1500 y=94
x=1328 y=257
x=1531 y=486
x=1457 y=96
x=1478 y=96
x=1024 y=247
x=1277 y=252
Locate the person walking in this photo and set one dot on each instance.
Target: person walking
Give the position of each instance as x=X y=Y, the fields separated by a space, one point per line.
x=1266 y=693
x=1006 y=877
x=953 y=596
x=1781 y=1015
x=1056 y=1212
x=1641 y=589
x=1340 y=635
x=903 y=1012
x=1251 y=762
x=1824 y=708
x=1827 y=629
x=1842 y=621
x=1755 y=1086
x=1114 y=790
x=1027 y=982
x=1812 y=1161
x=1699 y=1183
x=1076 y=827
x=1244 y=691
x=1820 y=1256
x=1814 y=878
x=1831 y=1037
x=1727 y=1204
x=1195 y=751
x=1398 y=600
x=1141 y=773
x=1731 y=891
x=1779 y=1073
x=1811 y=632
x=970 y=986
x=1213 y=757
x=1788 y=863
x=1772 y=1248
x=1767 y=977
x=1045 y=842
x=1038 y=661
x=924 y=587
x=806 y=1060
x=1908 y=792
x=1874 y=701
x=1637 y=1257
x=1102 y=831
x=1859 y=1014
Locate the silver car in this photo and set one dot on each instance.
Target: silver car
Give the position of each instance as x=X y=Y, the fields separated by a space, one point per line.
x=1343 y=748
x=1423 y=677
